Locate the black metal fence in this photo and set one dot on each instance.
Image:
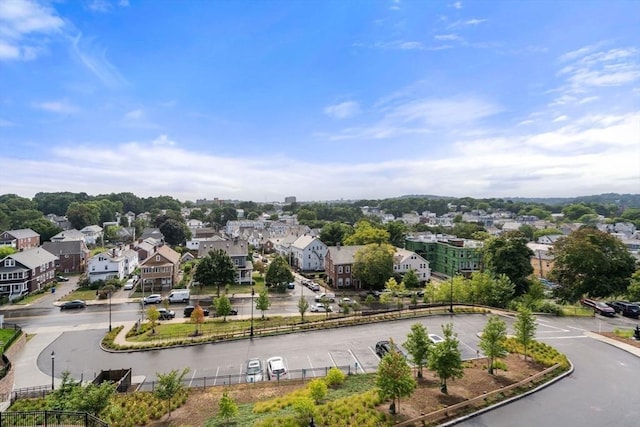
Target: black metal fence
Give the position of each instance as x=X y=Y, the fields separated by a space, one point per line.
x=17 y=332
x=49 y=418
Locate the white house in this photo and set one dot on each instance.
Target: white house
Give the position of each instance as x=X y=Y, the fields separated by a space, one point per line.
x=308 y=253
x=116 y=263
x=92 y=234
x=404 y=260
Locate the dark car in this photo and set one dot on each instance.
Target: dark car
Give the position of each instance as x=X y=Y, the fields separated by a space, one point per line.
x=166 y=314
x=384 y=347
x=189 y=309
x=76 y=303
x=615 y=305
x=291 y=285
x=599 y=307
x=629 y=309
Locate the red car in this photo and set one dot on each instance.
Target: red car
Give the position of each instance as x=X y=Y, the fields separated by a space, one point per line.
x=599 y=307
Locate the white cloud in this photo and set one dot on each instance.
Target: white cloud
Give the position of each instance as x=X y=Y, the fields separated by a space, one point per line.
x=24 y=28
x=135 y=114
x=343 y=110
x=95 y=60
x=60 y=107
x=457 y=5
x=400 y=45
x=100 y=6
x=561 y=118
x=466 y=23
x=447 y=37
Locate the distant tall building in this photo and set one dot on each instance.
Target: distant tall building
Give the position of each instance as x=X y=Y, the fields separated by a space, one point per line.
x=290 y=199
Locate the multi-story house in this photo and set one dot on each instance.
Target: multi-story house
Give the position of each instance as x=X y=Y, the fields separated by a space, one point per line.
x=116 y=263
x=160 y=270
x=21 y=240
x=69 y=235
x=340 y=259
x=447 y=255
x=542 y=259
x=308 y=253
x=26 y=271
x=72 y=255
x=92 y=234
x=238 y=251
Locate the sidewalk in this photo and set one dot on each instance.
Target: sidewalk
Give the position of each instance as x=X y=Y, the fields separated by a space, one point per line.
x=622 y=346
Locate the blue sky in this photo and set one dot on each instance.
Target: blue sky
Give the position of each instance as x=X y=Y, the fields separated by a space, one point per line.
x=258 y=100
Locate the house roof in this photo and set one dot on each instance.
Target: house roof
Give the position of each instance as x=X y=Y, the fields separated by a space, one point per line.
x=67 y=247
x=33 y=258
x=231 y=247
x=403 y=254
x=343 y=254
x=68 y=235
x=92 y=229
x=23 y=233
x=167 y=253
x=303 y=241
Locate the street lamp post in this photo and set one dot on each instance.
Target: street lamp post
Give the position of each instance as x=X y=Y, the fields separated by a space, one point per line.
x=53 y=369
x=252 y=294
x=110 y=310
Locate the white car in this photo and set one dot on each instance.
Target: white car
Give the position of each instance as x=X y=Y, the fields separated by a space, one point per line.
x=319 y=308
x=276 y=368
x=435 y=338
x=254 y=370
x=129 y=285
x=331 y=297
x=152 y=299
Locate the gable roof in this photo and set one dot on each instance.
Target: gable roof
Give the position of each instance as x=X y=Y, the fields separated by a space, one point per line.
x=167 y=253
x=23 y=233
x=33 y=258
x=231 y=247
x=68 y=247
x=303 y=241
x=68 y=235
x=343 y=254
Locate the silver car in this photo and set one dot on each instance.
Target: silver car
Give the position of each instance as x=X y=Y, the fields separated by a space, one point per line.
x=254 y=370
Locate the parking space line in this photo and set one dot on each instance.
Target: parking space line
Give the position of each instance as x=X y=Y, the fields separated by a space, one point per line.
x=358 y=364
x=192 y=377
x=331 y=357
x=240 y=374
x=468 y=346
x=311 y=364
x=216 y=377
x=374 y=353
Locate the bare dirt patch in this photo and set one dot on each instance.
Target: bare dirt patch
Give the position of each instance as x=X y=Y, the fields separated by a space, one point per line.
x=203 y=405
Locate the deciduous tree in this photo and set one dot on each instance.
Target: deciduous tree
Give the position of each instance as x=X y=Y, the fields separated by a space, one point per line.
x=223 y=307
x=418 y=345
x=509 y=254
x=153 y=315
x=373 y=265
x=197 y=317
x=170 y=385
x=394 y=378
x=303 y=306
x=445 y=359
x=216 y=268
x=227 y=408
x=262 y=302
x=365 y=233
x=525 y=328
x=492 y=341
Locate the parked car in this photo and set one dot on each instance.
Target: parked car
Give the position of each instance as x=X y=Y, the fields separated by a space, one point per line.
x=314 y=286
x=276 y=368
x=76 y=303
x=62 y=279
x=629 y=309
x=189 y=309
x=166 y=314
x=320 y=308
x=254 y=370
x=384 y=347
x=128 y=285
x=291 y=285
x=435 y=338
x=331 y=297
x=599 y=307
x=152 y=299
x=346 y=302
x=615 y=305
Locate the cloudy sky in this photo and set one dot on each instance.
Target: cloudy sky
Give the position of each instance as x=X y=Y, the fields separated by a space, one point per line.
x=258 y=100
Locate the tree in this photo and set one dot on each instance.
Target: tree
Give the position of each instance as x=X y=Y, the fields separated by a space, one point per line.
x=45 y=228
x=304 y=408
x=227 y=408
x=262 y=302
x=509 y=254
x=82 y=214
x=573 y=212
x=394 y=378
x=373 y=265
x=397 y=231
x=492 y=341
x=175 y=232
x=525 y=328
x=418 y=345
x=333 y=233
x=591 y=262
x=223 y=307
x=259 y=267
x=5 y=251
x=93 y=398
x=170 y=385
x=197 y=317
x=317 y=390
x=303 y=306
x=153 y=315
x=278 y=273
x=365 y=233
x=633 y=291
x=216 y=268
x=411 y=280
x=445 y=359
x=392 y=287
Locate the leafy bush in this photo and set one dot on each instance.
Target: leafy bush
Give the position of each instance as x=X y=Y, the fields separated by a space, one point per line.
x=317 y=390
x=335 y=377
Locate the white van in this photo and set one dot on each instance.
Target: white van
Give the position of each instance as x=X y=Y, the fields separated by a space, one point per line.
x=179 y=295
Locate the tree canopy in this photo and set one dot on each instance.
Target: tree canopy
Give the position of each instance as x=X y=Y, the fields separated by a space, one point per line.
x=279 y=274
x=591 y=262
x=394 y=378
x=492 y=341
x=373 y=265
x=365 y=233
x=445 y=359
x=509 y=254
x=216 y=268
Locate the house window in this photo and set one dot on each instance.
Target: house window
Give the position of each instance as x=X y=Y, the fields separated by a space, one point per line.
x=347 y=269
x=9 y=262
x=340 y=269
x=339 y=281
x=347 y=282
x=157 y=257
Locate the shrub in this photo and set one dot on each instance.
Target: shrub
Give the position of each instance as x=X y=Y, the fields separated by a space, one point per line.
x=335 y=377
x=317 y=390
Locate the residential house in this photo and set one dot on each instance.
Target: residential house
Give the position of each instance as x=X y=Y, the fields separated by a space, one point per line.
x=59 y=221
x=145 y=248
x=68 y=236
x=116 y=263
x=92 y=234
x=160 y=270
x=20 y=240
x=405 y=260
x=26 y=271
x=194 y=224
x=72 y=255
x=542 y=259
x=549 y=239
x=154 y=233
x=238 y=251
x=308 y=253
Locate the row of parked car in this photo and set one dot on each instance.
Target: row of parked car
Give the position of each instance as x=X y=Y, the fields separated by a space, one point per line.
x=611 y=308
x=311 y=285
x=275 y=369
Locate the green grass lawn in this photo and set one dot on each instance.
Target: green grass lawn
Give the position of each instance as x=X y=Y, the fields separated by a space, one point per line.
x=83 y=294
x=30 y=299
x=576 y=310
x=5 y=334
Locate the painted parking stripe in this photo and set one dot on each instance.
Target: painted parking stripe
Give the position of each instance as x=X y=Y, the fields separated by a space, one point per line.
x=192 y=377
x=331 y=357
x=358 y=364
x=312 y=369
x=216 y=377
